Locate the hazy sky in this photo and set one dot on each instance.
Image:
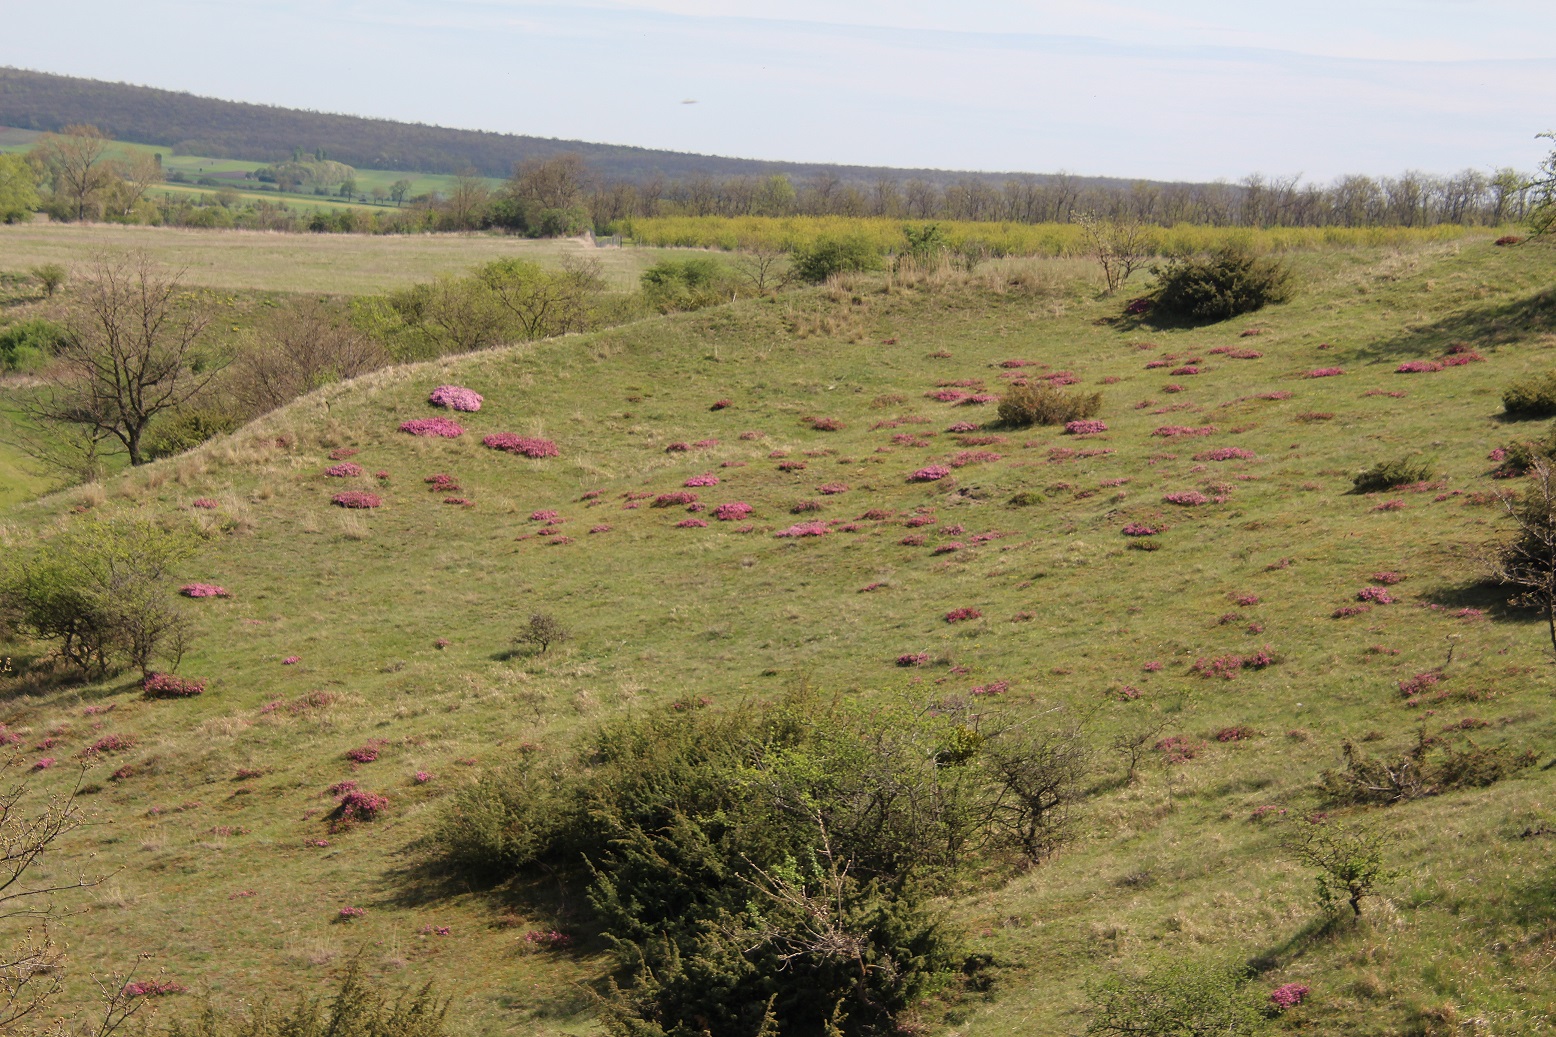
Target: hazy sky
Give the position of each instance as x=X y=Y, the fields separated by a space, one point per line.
x=1170 y=89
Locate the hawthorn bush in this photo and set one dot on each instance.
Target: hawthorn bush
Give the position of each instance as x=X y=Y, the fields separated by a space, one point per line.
x=1531 y=397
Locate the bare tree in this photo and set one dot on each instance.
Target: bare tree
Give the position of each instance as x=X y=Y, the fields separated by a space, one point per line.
x=1134 y=743
x=136 y=176
x=133 y=348
x=77 y=161
x=1527 y=562
x=765 y=267
x=1119 y=244
x=1038 y=778
x=300 y=350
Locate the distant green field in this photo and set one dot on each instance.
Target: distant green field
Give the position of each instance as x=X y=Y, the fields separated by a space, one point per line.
x=400 y=619
x=335 y=264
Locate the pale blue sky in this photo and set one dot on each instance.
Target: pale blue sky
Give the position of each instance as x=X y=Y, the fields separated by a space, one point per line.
x=1194 y=89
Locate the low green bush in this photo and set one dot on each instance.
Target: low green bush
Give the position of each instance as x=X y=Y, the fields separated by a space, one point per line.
x=1220 y=285
x=1177 y=998
x=1385 y=475
x=1531 y=397
x=26 y=345
x=679 y=285
x=186 y=430
x=828 y=255
x=1043 y=404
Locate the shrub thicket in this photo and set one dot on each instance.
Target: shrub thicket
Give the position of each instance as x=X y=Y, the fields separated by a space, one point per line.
x=24 y=346
x=774 y=864
x=828 y=255
x=1178 y=998
x=1428 y=768
x=1385 y=475
x=1531 y=397
x=686 y=284
x=1220 y=285
x=1043 y=404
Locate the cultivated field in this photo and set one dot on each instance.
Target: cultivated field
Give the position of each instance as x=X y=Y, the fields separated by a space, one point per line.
x=335 y=264
x=398 y=622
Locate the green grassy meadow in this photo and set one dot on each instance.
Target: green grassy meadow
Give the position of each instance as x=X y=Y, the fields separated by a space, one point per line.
x=212 y=824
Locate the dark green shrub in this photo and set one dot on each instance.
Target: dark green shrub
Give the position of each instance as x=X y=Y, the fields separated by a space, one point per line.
x=1385 y=475
x=1178 y=998
x=1348 y=862
x=1531 y=397
x=186 y=430
x=827 y=256
x=685 y=284
x=1223 y=284
x=26 y=345
x=1043 y=404
x=775 y=863
x=1430 y=767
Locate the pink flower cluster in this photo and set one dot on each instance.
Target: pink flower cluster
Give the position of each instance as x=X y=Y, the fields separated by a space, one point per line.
x=1177 y=749
x=1325 y=372
x=791 y=466
x=1085 y=427
x=455 y=397
x=705 y=479
x=1141 y=529
x=366 y=753
x=930 y=473
x=962 y=615
x=832 y=488
x=341 y=453
x=992 y=688
x=673 y=499
x=346 y=914
x=1375 y=595
x=151 y=988
x=356 y=499
x=1186 y=498
x=913 y=659
x=206 y=503
x=1289 y=995
x=171 y=686
x=1226 y=453
x=345 y=469
x=524 y=446
x=959 y=426
x=734 y=511
x=445 y=428
x=804 y=529
x=544 y=515
x=1173 y=431
x=359 y=805
x=1414 y=686
x=291 y=660
x=551 y=939
x=963 y=458
x=691 y=523
x=203 y=590
x=1418 y=367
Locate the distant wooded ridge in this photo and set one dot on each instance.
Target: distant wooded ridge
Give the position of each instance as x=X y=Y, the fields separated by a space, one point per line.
x=188 y=124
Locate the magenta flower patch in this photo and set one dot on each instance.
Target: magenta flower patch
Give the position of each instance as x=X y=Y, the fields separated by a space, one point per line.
x=1418 y=367
x=673 y=499
x=1226 y=453
x=1325 y=372
x=455 y=397
x=356 y=499
x=962 y=615
x=341 y=453
x=913 y=659
x=705 y=479
x=1085 y=427
x=1375 y=595
x=445 y=428
x=804 y=529
x=1288 y=996
x=203 y=590
x=1174 y=431
x=691 y=523
x=524 y=446
x=1142 y=529
x=1186 y=498
x=171 y=686
x=930 y=473
x=206 y=503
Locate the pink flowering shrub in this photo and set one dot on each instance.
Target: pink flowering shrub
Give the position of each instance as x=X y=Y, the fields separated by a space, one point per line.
x=1153 y=666
x=691 y=523
x=1414 y=686
x=963 y=458
x=1279 y=394
x=1418 y=367
x=705 y=479
x=1141 y=529
x=455 y=397
x=347 y=914
x=151 y=988
x=464 y=502
x=1390 y=505
x=357 y=499
x=913 y=659
x=991 y=688
x=445 y=428
x=291 y=660
x=206 y=503
x=930 y=473
x=544 y=515
x=1347 y=611
x=734 y=511
x=1172 y=387
x=946 y=395
x=1186 y=369
x=920 y=520
x=705 y=444
x=804 y=506
x=791 y=466
x=171 y=686
x=366 y=753
x=203 y=590
x=721 y=404
x=804 y=529
x=677 y=448
x=1186 y=498
x=548 y=939
x=914 y=540
x=1375 y=595
x=1178 y=749
x=341 y=453
x=601 y=528
x=832 y=488
x=824 y=424
x=357 y=805
x=961 y=615
x=1460 y=355
x=345 y=469
x=108 y=744
x=1226 y=453
x=959 y=426
x=948 y=548
x=1173 y=431
x=674 y=499
x=524 y=446
x=43 y=764
x=421 y=777
x=1290 y=995
x=1325 y=372
x=1085 y=427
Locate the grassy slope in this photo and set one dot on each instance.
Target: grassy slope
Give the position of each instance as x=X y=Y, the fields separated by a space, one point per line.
x=1171 y=865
